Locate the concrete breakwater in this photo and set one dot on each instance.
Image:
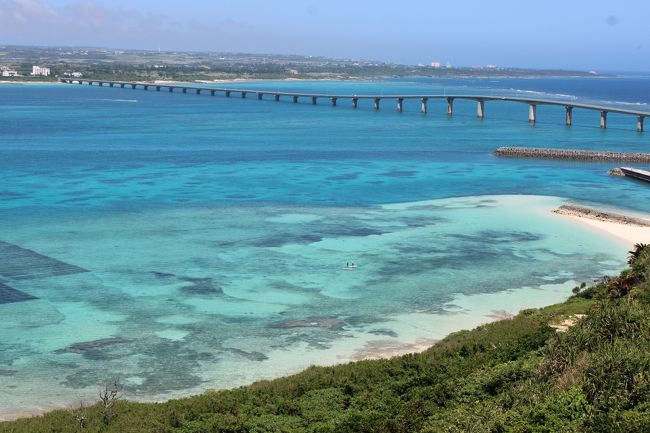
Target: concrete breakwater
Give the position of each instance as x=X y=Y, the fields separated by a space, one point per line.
x=570 y=154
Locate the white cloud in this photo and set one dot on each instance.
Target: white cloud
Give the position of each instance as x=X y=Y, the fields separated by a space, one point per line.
x=35 y=22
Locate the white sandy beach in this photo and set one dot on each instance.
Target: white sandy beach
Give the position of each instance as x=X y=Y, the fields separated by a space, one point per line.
x=627 y=232
x=19 y=82
x=609 y=224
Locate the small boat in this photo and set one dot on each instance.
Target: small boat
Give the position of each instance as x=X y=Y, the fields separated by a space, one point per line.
x=350 y=267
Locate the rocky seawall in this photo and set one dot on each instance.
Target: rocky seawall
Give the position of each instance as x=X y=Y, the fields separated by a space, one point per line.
x=585 y=212
x=570 y=154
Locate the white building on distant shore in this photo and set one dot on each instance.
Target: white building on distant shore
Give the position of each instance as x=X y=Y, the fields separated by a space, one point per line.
x=40 y=71
x=5 y=71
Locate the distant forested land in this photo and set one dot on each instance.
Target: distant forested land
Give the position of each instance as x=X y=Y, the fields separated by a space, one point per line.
x=130 y=65
x=514 y=375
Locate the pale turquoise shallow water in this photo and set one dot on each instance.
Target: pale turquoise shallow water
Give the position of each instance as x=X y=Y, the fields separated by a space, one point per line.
x=185 y=242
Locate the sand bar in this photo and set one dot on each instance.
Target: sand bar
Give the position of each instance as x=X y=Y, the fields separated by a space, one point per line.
x=632 y=230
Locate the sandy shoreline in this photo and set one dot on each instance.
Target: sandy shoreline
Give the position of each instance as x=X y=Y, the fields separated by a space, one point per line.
x=16 y=82
x=175 y=82
x=630 y=230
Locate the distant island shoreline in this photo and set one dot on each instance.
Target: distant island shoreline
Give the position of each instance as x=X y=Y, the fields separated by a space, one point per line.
x=55 y=80
x=18 y=64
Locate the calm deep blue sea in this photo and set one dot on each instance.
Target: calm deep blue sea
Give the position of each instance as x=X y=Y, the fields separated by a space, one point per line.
x=186 y=242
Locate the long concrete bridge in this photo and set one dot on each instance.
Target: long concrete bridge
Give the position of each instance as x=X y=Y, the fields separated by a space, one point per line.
x=398 y=99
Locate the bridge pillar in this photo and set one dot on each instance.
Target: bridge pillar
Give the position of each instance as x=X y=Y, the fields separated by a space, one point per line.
x=227 y=93
x=376 y=105
x=480 y=109
x=184 y=89
x=355 y=102
x=400 y=105
x=424 y=105
x=639 y=123
x=101 y=84
x=532 y=113
x=569 y=115
x=111 y=84
x=260 y=95
x=133 y=86
x=243 y=95
x=277 y=97
x=295 y=99
x=314 y=99
x=603 y=119
x=90 y=83
x=121 y=84
x=333 y=101
x=212 y=92
x=171 y=89
x=198 y=91
x=146 y=87
x=450 y=106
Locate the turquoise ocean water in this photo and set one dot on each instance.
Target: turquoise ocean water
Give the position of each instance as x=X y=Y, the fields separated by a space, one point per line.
x=186 y=242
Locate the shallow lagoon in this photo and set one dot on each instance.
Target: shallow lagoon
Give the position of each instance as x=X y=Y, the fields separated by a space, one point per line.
x=201 y=243
x=179 y=300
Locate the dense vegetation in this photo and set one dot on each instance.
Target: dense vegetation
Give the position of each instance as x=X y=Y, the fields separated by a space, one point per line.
x=515 y=375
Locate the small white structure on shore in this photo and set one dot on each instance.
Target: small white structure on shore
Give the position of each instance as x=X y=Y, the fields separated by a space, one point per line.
x=8 y=72
x=40 y=71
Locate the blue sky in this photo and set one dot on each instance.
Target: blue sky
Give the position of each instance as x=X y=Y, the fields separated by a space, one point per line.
x=569 y=34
